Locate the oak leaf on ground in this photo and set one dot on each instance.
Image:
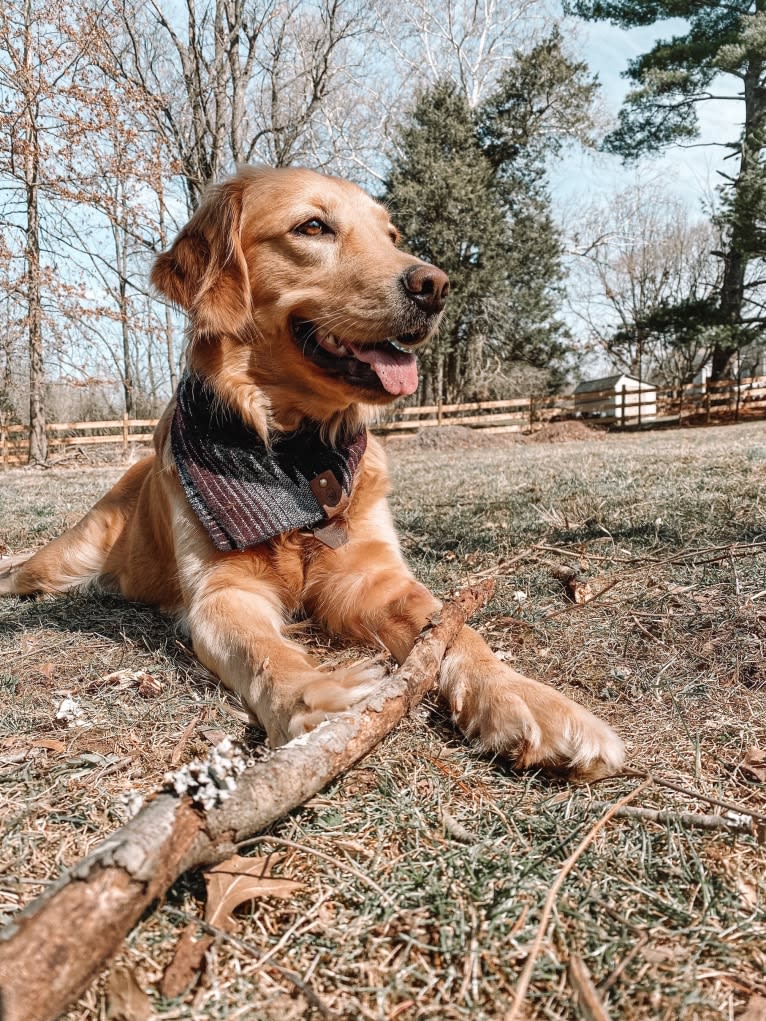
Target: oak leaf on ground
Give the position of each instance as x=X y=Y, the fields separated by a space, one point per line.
x=230 y=884
x=754 y=764
x=125 y=999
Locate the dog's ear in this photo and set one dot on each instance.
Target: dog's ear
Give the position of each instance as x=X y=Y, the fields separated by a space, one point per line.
x=205 y=270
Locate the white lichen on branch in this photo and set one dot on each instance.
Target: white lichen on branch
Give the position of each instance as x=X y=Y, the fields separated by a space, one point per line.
x=209 y=782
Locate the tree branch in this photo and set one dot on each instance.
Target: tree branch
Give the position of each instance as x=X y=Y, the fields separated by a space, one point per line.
x=51 y=950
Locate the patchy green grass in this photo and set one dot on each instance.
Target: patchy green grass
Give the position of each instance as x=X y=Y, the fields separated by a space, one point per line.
x=669 y=531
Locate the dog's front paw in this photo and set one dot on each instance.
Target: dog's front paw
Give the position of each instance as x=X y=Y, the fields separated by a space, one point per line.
x=333 y=692
x=529 y=722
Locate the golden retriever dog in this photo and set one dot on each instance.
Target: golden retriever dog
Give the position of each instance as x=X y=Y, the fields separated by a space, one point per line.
x=266 y=498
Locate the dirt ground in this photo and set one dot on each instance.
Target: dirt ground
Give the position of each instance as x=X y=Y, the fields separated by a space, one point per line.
x=662 y=539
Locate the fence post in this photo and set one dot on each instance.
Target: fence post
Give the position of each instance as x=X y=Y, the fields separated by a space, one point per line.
x=439 y=411
x=3 y=440
x=125 y=435
x=622 y=406
x=707 y=403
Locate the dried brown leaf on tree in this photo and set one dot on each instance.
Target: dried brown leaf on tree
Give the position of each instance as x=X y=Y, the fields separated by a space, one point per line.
x=238 y=880
x=126 y=1000
x=754 y=764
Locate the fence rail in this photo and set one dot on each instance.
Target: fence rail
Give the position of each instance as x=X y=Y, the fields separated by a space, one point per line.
x=622 y=408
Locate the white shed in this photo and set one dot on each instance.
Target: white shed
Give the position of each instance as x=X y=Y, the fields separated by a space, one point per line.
x=619 y=397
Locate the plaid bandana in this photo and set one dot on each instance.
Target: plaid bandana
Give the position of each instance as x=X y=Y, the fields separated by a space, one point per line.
x=245 y=493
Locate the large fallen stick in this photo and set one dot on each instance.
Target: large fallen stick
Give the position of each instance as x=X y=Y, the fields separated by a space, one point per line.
x=51 y=950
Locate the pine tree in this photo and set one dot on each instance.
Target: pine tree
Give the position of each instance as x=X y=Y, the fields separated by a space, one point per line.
x=671 y=81
x=441 y=195
x=468 y=191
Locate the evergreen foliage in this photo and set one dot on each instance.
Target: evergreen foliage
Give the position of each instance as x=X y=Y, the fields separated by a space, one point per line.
x=671 y=80
x=468 y=192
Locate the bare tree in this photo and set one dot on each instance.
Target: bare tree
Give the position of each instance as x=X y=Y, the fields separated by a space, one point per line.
x=471 y=42
x=233 y=81
x=637 y=257
x=41 y=53
x=22 y=73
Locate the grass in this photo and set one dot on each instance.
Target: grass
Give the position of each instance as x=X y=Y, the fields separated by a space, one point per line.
x=670 y=921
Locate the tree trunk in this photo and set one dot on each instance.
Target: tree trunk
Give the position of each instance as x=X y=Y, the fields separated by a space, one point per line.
x=127 y=373
x=740 y=247
x=38 y=440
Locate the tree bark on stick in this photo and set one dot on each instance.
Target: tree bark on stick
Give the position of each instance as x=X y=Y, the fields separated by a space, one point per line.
x=52 y=949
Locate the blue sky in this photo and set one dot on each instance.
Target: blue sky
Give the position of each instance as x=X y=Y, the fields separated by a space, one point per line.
x=689 y=173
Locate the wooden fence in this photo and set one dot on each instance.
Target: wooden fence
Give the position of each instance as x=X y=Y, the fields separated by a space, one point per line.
x=692 y=403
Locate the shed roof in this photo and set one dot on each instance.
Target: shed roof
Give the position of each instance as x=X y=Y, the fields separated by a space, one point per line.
x=608 y=383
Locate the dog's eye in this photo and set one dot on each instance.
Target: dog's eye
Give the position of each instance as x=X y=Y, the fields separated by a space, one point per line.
x=312 y=228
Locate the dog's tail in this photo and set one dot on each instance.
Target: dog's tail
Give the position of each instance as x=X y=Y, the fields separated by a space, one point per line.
x=79 y=556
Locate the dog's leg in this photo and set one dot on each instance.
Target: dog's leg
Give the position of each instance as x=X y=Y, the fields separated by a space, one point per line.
x=234 y=608
x=74 y=559
x=365 y=590
x=79 y=555
x=236 y=627
x=9 y=568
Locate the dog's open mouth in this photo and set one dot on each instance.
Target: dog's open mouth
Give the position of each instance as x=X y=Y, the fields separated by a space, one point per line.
x=386 y=365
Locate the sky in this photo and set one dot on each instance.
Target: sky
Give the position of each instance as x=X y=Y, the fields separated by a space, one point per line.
x=689 y=173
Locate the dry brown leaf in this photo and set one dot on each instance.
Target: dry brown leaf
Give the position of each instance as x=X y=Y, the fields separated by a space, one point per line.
x=754 y=764
x=581 y=592
x=213 y=736
x=178 y=751
x=755 y=1010
x=50 y=743
x=148 y=686
x=238 y=880
x=229 y=884
x=186 y=966
x=47 y=669
x=126 y=1000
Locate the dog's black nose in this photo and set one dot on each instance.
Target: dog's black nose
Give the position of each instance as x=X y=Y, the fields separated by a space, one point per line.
x=427 y=286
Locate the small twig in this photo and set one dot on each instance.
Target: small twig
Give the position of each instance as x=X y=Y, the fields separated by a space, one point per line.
x=497 y=569
x=349 y=866
x=641 y=563
x=455 y=829
x=647 y=632
x=701 y=822
x=587 y=603
x=513 y=1013
x=691 y=793
x=588 y=996
x=249 y=948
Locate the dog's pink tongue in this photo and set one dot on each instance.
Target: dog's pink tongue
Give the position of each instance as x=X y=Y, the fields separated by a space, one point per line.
x=397 y=370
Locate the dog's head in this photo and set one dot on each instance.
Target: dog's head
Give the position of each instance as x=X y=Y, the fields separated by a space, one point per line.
x=294 y=284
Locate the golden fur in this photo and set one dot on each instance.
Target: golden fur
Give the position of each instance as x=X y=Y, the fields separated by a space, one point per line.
x=248 y=262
